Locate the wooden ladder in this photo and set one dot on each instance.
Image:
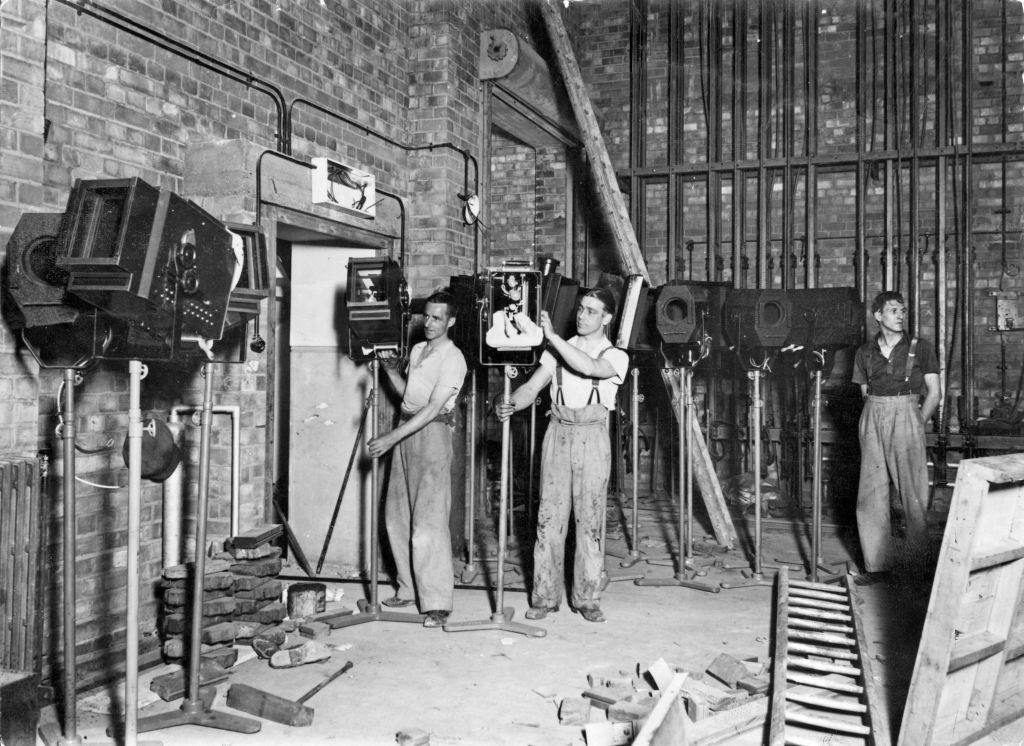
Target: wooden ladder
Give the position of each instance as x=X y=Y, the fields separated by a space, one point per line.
x=823 y=691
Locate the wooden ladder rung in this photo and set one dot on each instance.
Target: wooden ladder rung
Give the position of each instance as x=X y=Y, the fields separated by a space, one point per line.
x=841 y=629
x=826 y=703
x=821 y=682
x=800 y=647
x=826 y=638
x=830 y=724
x=1001 y=554
x=804 y=594
x=808 y=613
x=824 y=667
x=824 y=587
x=809 y=603
x=973 y=648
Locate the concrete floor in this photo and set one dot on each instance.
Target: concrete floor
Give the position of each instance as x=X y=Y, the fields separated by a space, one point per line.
x=493 y=688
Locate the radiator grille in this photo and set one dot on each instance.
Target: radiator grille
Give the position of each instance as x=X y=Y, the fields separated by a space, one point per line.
x=21 y=540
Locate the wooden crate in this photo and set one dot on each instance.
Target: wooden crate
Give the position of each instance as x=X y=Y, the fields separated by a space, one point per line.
x=968 y=678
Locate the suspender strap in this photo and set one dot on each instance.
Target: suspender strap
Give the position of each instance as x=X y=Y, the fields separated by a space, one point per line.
x=560 y=399
x=910 y=359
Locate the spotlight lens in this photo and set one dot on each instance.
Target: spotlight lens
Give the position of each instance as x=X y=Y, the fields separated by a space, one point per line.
x=677 y=310
x=771 y=313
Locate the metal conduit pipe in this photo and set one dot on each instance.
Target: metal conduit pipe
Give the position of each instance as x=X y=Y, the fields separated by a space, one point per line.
x=862 y=58
x=290 y=159
x=228 y=70
x=967 y=278
x=174 y=486
x=466 y=158
x=941 y=81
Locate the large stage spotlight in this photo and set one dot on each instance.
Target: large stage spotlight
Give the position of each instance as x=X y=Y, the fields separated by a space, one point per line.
x=251 y=283
x=560 y=295
x=376 y=306
x=35 y=282
x=689 y=313
x=510 y=332
x=148 y=257
x=758 y=319
x=826 y=318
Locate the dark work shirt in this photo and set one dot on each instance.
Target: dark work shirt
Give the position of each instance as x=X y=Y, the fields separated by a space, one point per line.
x=888 y=377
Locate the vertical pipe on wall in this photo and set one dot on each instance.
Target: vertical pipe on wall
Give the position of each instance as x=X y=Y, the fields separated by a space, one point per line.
x=714 y=142
x=787 y=139
x=637 y=111
x=676 y=89
x=811 y=141
x=888 y=140
x=967 y=250
x=941 y=83
x=763 y=118
x=862 y=62
x=739 y=129
x=914 y=276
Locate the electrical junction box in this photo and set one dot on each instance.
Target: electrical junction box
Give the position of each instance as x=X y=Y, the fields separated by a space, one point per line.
x=1009 y=317
x=345 y=187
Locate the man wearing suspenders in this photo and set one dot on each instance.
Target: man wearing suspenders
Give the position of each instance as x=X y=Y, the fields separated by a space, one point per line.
x=892 y=371
x=584 y=373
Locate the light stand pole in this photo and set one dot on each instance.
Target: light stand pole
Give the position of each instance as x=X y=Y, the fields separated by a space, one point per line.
x=755 y=576
x=71 y=736
x=192 y=711
x=634 y=555
x=501 y=619
x=372 y=611
x=685 y=568
x=469 y=571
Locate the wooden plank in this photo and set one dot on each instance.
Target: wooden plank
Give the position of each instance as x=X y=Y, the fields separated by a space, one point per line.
x=613 y=206
x=809 y=603
x=823 y=587
x=962 y=656
x=816 y=665
x=1003 y=553
x=841 y=629
x=826 y=638
x=812 y=613
x=780 y=661
x=666 y=725
x=970 y=649
x=828 y=703
x=829 y=724
x=6 y=567
x=822 y=651
x=824 y=682
x=807 y=593
x=877 y=719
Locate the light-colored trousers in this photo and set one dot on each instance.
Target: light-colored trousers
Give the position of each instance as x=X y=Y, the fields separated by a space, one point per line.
x=575 y=465
x=892 y=450
x=418 y=506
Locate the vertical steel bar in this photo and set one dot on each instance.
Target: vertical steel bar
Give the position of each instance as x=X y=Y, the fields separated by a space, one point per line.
x=634 y=416
x=967 y=279
x=816 y=495
x=914 y=278
x=676 y=108
x=470 y=525
x=503 y=500
x=739 y=132
x=374 y=485
x=637 y=111
x=788 y=74
x=763 y=119
x=859 y=207
x=755 y=429
x=202 y=505
x=811 y=142
x=941 y=139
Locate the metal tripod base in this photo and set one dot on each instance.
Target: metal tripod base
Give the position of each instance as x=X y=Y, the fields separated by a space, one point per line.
x=634 y=557
x=370 y=613
x=616 y=577
x=192 y=713
x=681 y=580
x=500 y=621
x=469 y=573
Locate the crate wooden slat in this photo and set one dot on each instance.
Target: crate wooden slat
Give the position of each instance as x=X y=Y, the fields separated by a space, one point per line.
x=968 y=677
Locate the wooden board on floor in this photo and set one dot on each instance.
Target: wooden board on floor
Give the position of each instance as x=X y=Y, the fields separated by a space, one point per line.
x=968 y=678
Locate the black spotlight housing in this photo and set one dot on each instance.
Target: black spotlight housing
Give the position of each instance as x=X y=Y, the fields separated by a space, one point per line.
x=689 y=313
x=758 y=318
x=376 y=306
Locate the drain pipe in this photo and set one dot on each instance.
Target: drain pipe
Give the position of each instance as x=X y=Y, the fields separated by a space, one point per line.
x=174 y=487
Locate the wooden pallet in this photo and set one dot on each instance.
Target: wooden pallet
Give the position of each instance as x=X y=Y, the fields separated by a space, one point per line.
x=823 y=691
x=968 y=678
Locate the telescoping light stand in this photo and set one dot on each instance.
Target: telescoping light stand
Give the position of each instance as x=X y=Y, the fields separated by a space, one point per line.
x=371 y=611
x=501 y=618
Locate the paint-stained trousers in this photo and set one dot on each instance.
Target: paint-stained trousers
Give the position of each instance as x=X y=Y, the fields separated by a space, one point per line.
x=575 y=464
x=892 y=449
x=416 y=515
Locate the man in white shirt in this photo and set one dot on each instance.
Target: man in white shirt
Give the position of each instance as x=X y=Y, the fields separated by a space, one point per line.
x=584 y=374
x=419 y=498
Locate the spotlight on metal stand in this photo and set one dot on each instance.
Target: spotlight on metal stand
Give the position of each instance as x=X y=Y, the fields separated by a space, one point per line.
x=757 y=322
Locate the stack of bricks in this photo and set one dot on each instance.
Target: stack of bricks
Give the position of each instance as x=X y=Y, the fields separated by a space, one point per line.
x=255 y=565
x=218 y=629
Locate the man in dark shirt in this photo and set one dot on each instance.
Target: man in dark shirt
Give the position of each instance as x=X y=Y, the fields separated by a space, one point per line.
x=893 y=371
